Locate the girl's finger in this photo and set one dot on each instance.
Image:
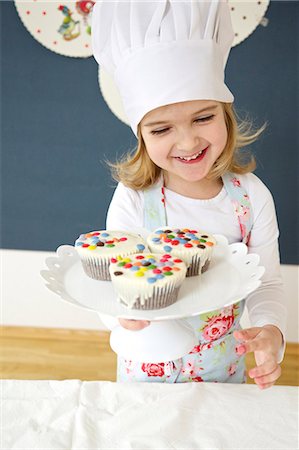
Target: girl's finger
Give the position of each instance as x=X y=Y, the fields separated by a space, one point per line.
x=264 y=369
x=133 y=325
x=258 y=344
x=249 y=333
x=269 y=378
x=265 y=386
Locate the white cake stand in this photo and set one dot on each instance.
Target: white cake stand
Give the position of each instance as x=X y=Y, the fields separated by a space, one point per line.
x=233 y=274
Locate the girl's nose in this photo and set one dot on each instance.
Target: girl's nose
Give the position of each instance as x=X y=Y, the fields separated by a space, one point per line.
x=187 y=140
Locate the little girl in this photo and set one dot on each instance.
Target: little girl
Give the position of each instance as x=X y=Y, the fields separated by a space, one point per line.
x=168 y=61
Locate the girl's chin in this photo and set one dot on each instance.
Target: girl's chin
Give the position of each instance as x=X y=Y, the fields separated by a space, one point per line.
x=183 y=178
x=191 y=174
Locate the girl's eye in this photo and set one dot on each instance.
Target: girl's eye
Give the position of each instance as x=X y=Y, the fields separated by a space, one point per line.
x=159 y=131
x=199 y=120
x=204 y=119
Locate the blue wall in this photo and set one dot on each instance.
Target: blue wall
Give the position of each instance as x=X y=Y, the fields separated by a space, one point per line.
x=57 y=132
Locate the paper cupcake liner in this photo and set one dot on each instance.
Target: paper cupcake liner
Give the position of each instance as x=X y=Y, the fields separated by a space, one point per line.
x=96 y=269
x=195 y=267
x=205 y=266
x=161 y=298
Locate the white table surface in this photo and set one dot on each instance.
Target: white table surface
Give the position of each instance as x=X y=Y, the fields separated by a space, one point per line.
x=75 y=415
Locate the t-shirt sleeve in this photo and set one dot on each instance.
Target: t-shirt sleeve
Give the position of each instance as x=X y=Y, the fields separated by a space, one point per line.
x=266 y=304
x=126 y=210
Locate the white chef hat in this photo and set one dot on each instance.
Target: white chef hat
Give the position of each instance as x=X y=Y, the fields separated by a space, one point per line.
x=164 y=51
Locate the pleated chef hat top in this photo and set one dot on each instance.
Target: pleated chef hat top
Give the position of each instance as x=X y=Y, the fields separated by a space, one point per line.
x=164 y=51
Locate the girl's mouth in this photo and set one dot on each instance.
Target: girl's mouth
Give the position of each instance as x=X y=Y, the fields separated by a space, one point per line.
x=196 y=157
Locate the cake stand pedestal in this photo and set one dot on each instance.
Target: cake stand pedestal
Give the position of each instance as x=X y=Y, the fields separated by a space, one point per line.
x=160 y=341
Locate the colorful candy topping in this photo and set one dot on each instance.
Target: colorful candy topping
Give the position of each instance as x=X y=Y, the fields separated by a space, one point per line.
x=187 y=238
x=156 y=267
x=102 y=239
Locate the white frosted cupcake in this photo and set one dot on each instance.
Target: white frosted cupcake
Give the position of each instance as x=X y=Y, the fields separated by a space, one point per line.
x=194 y=247
x=96 y=249
x=147 y=281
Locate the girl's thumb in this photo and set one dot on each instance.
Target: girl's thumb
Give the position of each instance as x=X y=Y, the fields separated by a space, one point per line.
x=247 y=334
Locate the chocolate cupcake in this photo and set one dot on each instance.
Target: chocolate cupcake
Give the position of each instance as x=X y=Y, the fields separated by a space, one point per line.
x=194 y=247
x=147 y=281
x=96 y=249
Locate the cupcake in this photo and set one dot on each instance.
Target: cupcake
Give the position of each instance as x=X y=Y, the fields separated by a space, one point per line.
x=194 y=247
x=96 y=249
x=147 y=281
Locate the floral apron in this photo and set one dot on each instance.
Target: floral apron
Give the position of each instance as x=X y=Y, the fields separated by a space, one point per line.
x=215 y=357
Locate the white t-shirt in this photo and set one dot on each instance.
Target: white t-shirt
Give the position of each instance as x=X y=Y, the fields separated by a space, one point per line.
x=217 y=216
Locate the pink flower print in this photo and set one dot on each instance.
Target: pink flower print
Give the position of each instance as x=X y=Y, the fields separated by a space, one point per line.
x=243 y=230
x=188 y=369
x=245 y=212
x=242 y=210
x=197 y=379
x=195 y=349
x=228 y=311
x=153 y=370
x=232 y=369
x=217 y=326
x=201 y=347
x=236 y=182
x=206 y=346
x=163 y=195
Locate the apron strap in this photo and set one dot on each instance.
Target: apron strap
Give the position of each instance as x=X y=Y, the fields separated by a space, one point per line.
x=154 y=214
x=241 y=203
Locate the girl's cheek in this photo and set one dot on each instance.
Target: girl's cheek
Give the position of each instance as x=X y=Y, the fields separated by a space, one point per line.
x=154 y=154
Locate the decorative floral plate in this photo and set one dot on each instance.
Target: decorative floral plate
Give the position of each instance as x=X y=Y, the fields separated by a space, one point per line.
x=63 y=27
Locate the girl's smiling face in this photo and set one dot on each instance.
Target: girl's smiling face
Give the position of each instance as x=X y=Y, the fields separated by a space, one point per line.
x=185 y=139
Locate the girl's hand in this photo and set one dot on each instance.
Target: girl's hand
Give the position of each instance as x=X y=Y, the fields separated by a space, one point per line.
x=265 y=342
x=133 y=325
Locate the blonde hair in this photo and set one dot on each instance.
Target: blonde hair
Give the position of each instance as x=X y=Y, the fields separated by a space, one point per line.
x=137 y=171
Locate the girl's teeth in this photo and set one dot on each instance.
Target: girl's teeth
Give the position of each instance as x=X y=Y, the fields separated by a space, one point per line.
x=189 y=158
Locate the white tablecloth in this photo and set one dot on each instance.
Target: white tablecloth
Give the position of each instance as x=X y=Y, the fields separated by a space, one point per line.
x=75 y=415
